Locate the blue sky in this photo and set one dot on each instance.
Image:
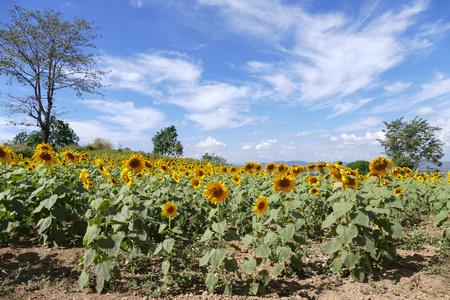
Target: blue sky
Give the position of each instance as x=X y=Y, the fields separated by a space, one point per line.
x=259 y=80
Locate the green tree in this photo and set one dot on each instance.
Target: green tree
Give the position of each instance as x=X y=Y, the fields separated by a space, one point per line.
x=361 y=165
x=40 y=50
x=409 y=144
x=216 y=159
x=165 y=142
x=60 y=135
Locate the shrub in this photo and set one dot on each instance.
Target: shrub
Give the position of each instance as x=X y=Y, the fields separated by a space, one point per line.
x=361 y=165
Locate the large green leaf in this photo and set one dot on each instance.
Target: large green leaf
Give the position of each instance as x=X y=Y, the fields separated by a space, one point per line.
x=217 y=257
x=220 y=227
x=104 y=269
x=347 y=234
x=333 y=245
x=249 y=265
x=263 y=250
x=44 y=224
x=111 y=244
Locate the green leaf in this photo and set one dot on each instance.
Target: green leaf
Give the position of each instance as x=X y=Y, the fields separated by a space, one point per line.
x=219 y=227
x=287 y=232
x=350 y=260
x=158 y=249
x=329 y=221
x=332 y=246
x=43 y=224
x=89 y=257
x=91 y=233
x=254 y=286
x=277 y=270
x=442 y=217
x=249 y=265
x=231 y=265
x=263 y=250
x=83 y=280
x=393 y=228
x=248 y=239
x=231 y=235
x=336 y=265
x=104 y=269
x=366 y=242
x=168 y=244
x=165 y=267
x=211 y=281
x=265 y=276
x=283 y=253
x=360 y=218
x=99 y=284
x=162 y=228
x=347 y=234
x=111 y=244
x=270 y=237
x=341 y=208
x=206 y=235
x=205 y=259
x=217 y=257
x=228 y=289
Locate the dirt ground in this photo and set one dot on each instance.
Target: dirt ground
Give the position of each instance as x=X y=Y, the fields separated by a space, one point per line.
x=30 y=271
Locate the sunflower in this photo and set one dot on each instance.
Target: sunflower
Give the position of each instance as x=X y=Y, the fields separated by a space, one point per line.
x=101 y=166
x=257 y=167
x=294 y=171
x=127 y=177
x=349 y=180
x=398 y=192
x=285 y=183
x=311 y=167
x=336 y=173
x=195 y=183
x=187 y=173
x=70 y=156
x=176 y=177
x=379 y=165
x=5 y=154
x=43 y=147
x=338 y=163
x=234 y=169
x=260 y=206
x=86 y=180
x=320 y=167
x=224 y=169
x=216 y=192
x=135 y=164
x=148 y=166
x=47 y=157
x=199 y=173
x=236 y=179
x=313 y=180
x=407 y=170
x=399 y=177
x=248 y=167
x=270 y=168
x=112 y=180
x=314 y=191
x=282 y=168
x=169 y=210
x=395 y=171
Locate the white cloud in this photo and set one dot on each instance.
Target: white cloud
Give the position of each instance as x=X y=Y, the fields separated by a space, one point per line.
x=327 y=55
x=351 y=140
x=397 y=87
x=144 y=72
x=348 y=107
x=246 y=147
x=266 y=145
x=304 y=133
x=221 y=117
x=126 y=115
x=210 y=143
x=423 y=111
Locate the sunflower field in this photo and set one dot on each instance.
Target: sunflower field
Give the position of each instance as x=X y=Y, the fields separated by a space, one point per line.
x=179 y=219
